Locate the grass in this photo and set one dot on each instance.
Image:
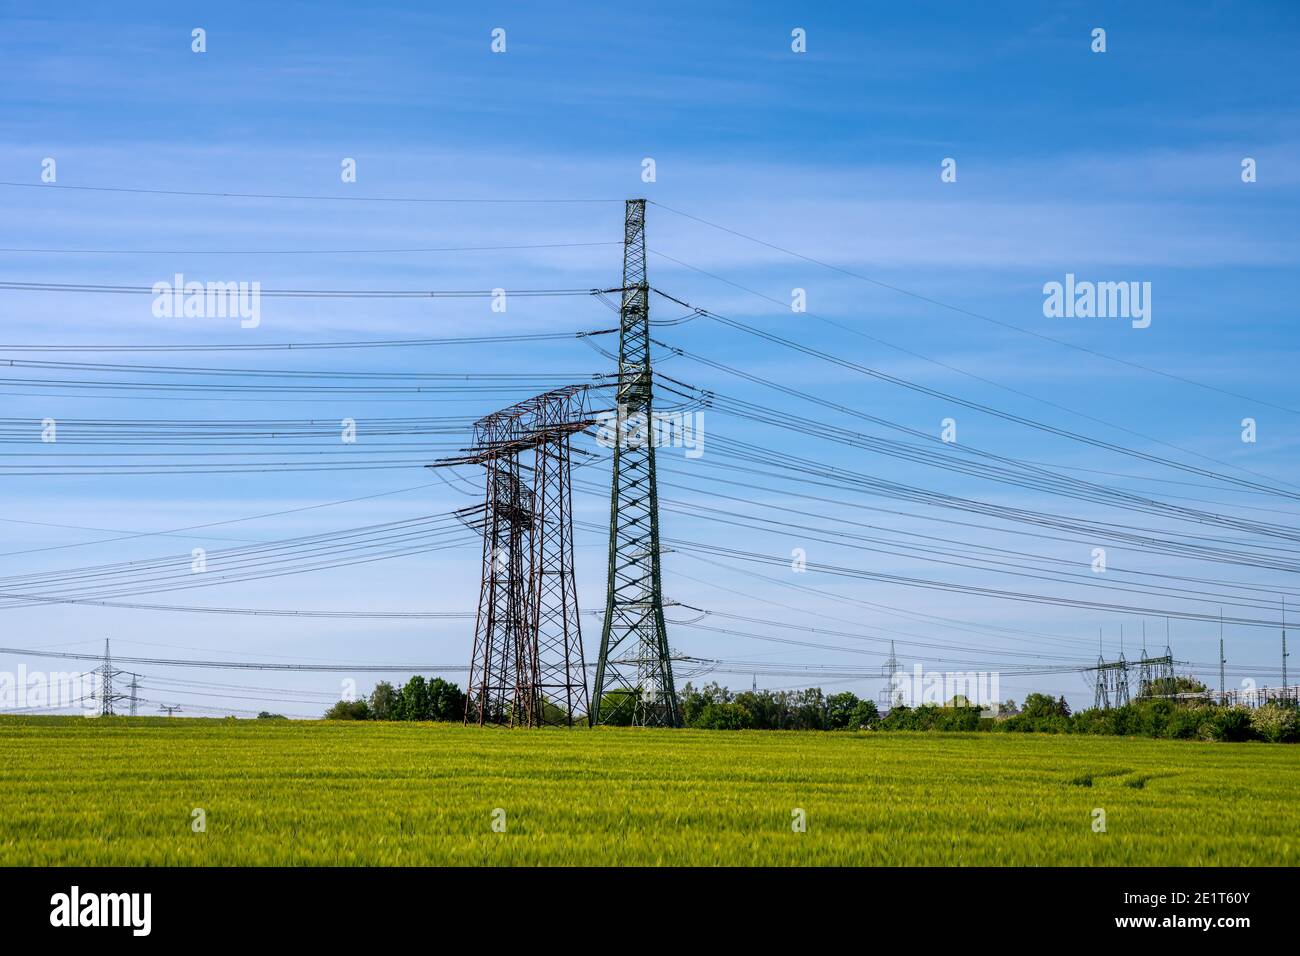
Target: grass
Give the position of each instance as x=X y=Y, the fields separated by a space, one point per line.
x=122 y=791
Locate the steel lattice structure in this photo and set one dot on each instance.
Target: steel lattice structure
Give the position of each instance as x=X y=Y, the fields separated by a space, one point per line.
x=105 y=693
x=634 y=676
x=560 y=668
x=1111 y=688
x=889 y=696
x=1156 y=675
x=500 y=671
x=527 y=667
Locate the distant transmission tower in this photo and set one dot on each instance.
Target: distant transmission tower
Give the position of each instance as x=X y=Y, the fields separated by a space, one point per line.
x=135 y=692
x=1119 y=674
x=106 y=684
x=634 y=674
x=1101 y=690
x=889 y=694
x=106 y=672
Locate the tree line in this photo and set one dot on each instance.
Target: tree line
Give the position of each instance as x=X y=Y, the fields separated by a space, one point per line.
x=714 y=707
x=417 y=699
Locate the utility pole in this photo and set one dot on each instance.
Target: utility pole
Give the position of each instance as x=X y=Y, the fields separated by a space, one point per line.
x=1223 y=695
x=1285 y=655
x=635 y=665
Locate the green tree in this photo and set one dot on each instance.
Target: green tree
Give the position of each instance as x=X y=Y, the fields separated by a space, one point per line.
x=764 y=709
x=722 y=717
x=383 y=700
x=693 y=700
x=446 y=702
x=415 y=699
x=617 y=707
x=349 y=710
x=1044 y=705
x=865 y=714
x=840 y=709
x=1181 y=684
x=808 y=709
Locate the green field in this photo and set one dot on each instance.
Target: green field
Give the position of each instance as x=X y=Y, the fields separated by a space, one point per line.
x=122 y=791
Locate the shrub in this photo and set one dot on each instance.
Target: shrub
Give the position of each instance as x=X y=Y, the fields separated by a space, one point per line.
x=1022 y=723
x=932 y=717
x=1185 y=723
x=1095 y=721
x=1228 y=724
x=1044 y=705
x=722 y=717
x=1276 y=723
x=349 y=710
x=958 y=718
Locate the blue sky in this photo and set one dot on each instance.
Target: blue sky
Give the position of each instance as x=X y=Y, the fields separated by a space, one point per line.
x=1119 y=166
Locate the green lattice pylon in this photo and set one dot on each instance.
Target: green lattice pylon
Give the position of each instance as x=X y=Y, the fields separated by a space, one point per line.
x=634 y=674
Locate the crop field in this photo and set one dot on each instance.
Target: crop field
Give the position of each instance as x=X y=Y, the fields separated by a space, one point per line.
x=124 y=791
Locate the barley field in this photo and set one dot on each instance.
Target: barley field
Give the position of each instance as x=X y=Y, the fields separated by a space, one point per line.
x=123 y=791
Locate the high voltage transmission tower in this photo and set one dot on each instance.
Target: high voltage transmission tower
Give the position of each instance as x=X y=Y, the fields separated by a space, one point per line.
x=890 y=694
x=527 y=666
x=560 y=670
x=634 y=674
x=106 y=695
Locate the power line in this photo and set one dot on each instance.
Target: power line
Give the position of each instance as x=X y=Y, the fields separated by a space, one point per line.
x=307 y=252
x=16 y=286
x=299 y=197
x=308 y=346
x=244 y=665
x=982 y=407
x=976 y=315
x=953 y=368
